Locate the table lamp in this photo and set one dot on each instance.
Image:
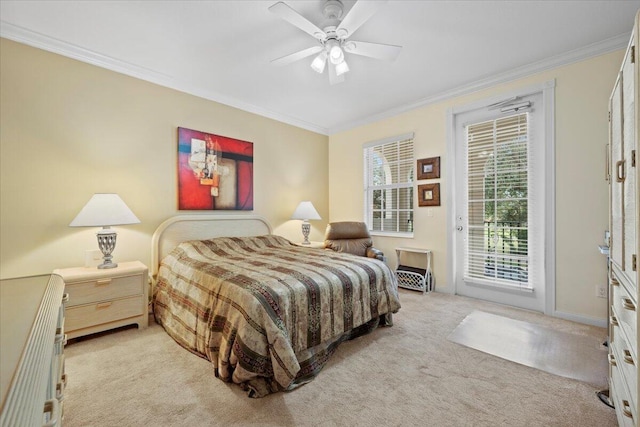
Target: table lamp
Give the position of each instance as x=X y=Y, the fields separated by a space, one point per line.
x=104 y=210
x=305 y=211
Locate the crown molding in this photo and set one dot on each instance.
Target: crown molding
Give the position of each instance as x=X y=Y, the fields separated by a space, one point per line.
x=50 y=44
x=41 y=41
x=577 y=55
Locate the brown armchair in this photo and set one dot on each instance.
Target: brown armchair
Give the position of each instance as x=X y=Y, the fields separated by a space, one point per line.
x=351 y=237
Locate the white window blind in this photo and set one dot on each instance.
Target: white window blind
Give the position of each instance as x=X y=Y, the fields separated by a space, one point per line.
x=498 y=169
x=388 y=166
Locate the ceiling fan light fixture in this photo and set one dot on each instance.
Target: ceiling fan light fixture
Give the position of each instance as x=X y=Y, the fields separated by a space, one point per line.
x=342 y=68
x=319 y=62
x=336 y=55
x=342 y=33
x=333 y=36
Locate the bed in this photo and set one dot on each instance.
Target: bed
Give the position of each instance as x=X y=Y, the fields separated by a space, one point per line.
x=267 y=313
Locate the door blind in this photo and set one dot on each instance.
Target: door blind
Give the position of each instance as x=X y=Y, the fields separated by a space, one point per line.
x=498 y=166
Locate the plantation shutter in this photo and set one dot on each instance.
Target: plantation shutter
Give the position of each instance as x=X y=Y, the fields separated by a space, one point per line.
x=389 y=185
x=498 y=169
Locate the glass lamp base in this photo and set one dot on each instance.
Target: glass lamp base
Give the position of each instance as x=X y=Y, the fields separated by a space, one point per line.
x=107 y=243
x=106 y=264
x=306 y=228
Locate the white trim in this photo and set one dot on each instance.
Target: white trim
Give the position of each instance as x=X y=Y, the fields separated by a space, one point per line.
x=548 y=94
x=577 y=55
x=40 y=41
x=549 y=101
x=391 y=234
x=451 y=197
x=31 y=38
x=368 y=149
x=521 y=92
x=601 y=323
x=389 y=140
x=497 y=285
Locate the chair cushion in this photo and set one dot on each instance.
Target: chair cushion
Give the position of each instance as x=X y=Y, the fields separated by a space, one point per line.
x=352 y=246
x=346 y=230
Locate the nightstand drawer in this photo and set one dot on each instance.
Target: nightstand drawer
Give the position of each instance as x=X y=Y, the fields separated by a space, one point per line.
x=103 y=289
x=84 y=316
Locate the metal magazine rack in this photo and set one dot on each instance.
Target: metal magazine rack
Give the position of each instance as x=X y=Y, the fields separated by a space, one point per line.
x=415 y=278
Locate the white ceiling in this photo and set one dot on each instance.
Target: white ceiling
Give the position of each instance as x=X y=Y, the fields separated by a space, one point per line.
x=221 y=50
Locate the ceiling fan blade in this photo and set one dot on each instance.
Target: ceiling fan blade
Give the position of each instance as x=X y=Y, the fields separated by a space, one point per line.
x=296 y=56
x=333 y=77
x=293 y=17
x=387 y=52
x=358 y=15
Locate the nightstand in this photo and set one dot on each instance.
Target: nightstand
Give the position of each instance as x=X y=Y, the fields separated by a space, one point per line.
x=105 y=299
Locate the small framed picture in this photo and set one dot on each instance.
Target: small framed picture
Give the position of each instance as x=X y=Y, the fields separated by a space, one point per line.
x=429 y=195
x=429 y=168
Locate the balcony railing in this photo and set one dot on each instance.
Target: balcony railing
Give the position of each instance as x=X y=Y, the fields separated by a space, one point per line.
x=507 y=249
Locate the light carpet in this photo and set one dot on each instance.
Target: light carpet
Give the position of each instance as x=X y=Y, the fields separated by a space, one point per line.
x=408 y=374
x=561 y=353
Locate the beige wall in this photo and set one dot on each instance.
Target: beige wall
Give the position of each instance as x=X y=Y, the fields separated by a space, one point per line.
x=582 y=93
x=70 y=129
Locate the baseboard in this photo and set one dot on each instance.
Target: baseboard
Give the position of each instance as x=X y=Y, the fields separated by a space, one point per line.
x=593 y=321
x=602 y=323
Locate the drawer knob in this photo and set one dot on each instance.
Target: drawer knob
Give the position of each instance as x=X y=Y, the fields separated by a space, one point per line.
x=628 y=304
x=626 y=409
x=620 y=175
x=628 y=357
x=612 y=359
x=60 y=392
x=52 y=407
x=614 y=321
x=103 y=282
x=104 y=304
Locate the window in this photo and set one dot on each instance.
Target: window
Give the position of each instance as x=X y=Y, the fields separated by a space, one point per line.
x=388 y=175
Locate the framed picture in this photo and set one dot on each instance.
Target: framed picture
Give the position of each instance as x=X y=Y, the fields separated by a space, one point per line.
x=214 y=172
x=429 y=195
x=429 y=168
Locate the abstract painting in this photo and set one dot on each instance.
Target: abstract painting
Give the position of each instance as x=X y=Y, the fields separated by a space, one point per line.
x=214 y=172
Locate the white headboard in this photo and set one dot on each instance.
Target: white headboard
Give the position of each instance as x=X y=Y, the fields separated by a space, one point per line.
x=181 y=228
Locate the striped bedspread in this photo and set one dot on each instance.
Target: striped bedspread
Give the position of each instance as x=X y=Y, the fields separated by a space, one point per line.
x=267 y=313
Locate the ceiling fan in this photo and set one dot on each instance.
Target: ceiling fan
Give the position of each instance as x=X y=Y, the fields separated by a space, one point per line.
x=333 y=38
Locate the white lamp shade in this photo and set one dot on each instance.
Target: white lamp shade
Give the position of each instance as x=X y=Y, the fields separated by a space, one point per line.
x=319 y=62
x=336 y=55
x=103 y=210
x=342 y=68
x=305 y=211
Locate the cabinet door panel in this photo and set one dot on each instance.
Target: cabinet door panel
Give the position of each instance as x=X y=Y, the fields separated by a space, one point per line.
x=628 y=144
x=617 y=177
